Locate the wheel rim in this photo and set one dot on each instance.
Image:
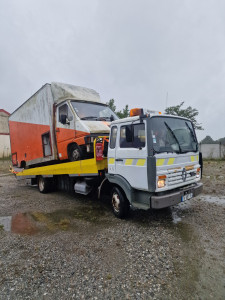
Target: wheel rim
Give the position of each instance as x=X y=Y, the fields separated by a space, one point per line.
x=41 y=184
x=116 y=202
x=76 y=154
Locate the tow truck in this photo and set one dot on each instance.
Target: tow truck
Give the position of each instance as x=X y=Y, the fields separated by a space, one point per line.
x=149 y=161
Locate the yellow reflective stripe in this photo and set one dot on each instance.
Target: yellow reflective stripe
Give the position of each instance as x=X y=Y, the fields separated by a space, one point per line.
x=197 y=158
x=192 y=158
x=111 y=161
x=160 y=162
x=140 y=162
x=171 y=161
x=128 y=162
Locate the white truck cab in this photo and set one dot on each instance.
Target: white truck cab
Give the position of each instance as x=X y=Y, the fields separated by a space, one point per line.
x=153 y=161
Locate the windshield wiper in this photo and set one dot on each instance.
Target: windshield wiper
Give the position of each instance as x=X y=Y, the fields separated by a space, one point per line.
x=102 y=118
x=89 y=117
x=173 y=134
x=192 y=134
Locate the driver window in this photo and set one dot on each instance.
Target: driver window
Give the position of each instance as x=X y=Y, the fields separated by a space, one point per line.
x=64 y=113
x=63 y=110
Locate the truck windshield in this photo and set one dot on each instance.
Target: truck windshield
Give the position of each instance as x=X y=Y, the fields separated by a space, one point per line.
x=93 y=111
x=173 y=135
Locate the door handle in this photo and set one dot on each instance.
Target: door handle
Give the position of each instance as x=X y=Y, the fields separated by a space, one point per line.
x=118 y=159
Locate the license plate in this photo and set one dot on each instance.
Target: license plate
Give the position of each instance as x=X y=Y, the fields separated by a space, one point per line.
x=186 y=197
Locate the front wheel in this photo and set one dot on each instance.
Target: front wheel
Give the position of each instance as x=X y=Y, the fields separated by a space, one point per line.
x=120 y=204
x=44 y=185
x=75 y=153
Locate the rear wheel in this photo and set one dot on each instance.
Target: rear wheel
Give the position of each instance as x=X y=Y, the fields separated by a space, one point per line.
x=75 y=153
x=44 y=185
x=120 y=204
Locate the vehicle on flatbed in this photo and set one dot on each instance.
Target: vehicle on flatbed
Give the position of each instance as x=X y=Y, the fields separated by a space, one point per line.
x=152 y=162
x=59 y=122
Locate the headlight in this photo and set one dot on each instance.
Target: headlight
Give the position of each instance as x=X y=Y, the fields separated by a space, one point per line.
x=198 y=173
x=161 y=181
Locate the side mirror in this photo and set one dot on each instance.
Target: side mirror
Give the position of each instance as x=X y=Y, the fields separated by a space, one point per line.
x=63 y=119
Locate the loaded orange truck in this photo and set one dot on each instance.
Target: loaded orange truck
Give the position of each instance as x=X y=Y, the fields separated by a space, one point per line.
x=59 y=122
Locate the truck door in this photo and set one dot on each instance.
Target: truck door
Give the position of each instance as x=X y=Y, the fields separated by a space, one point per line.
x=112 y=149
x=131 y=155
x=65 y=129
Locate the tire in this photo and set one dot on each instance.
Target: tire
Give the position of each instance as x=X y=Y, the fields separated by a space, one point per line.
x=44 y=185
x=75 y=153
x=120 y=204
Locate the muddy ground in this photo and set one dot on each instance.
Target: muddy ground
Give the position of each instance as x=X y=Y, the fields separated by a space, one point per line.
x=62 y=246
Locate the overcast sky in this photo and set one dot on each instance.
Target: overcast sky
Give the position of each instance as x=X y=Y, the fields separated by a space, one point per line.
x=135 y=51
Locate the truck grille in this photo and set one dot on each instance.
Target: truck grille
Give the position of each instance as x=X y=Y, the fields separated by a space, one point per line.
x=180 y=176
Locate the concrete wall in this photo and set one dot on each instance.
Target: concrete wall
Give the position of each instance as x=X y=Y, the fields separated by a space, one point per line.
x=214 y=151
x=4 y=122
x=5 y=150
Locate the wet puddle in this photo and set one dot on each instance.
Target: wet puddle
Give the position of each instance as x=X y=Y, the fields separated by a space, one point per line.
x=30 y=223
x=175 y=217
x=19 y=223
x=213 y=199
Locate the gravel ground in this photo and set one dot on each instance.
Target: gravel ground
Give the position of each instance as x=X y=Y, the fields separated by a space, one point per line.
x=60 y=246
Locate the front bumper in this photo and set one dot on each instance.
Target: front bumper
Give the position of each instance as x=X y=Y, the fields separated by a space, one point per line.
x=162 y=201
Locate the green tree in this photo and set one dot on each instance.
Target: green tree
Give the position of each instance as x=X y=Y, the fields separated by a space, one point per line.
x=189 y=112
x=124 y=113
x=112 y=105
x=121 y=114
x=208 y=140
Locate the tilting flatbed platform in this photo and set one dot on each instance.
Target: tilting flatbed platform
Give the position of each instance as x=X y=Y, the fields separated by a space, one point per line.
x=88 y=167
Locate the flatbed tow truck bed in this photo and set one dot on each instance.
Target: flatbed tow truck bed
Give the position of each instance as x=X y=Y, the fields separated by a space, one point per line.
x=88 y=167
x=70 y=176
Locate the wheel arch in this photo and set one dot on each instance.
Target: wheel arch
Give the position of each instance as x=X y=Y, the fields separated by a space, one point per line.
x=23 y=164
x=122 y=183
x=69 y=146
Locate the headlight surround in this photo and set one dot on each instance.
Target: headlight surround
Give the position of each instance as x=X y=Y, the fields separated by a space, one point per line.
x=198 y=173
x=161 y=181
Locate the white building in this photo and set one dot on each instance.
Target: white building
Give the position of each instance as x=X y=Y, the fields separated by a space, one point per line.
x=5 y=150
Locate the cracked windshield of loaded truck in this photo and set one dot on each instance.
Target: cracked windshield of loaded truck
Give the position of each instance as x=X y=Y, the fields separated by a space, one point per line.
x=93 y=111
x=173 y=135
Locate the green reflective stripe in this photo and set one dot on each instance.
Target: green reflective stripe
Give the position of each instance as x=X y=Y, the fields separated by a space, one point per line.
x=111 y=161
x=140 y=162
x=160 y=162
x=194 y=158
x=171 y=161
x=128 y=162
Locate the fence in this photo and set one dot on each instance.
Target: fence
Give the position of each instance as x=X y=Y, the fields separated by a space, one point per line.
x=214 y=151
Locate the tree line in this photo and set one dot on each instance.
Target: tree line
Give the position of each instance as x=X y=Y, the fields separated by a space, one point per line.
x=178 y=110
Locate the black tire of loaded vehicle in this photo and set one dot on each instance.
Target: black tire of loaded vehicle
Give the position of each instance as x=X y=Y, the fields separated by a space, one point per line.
x=44 y=184
x=120 y=204
x=75 y=153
